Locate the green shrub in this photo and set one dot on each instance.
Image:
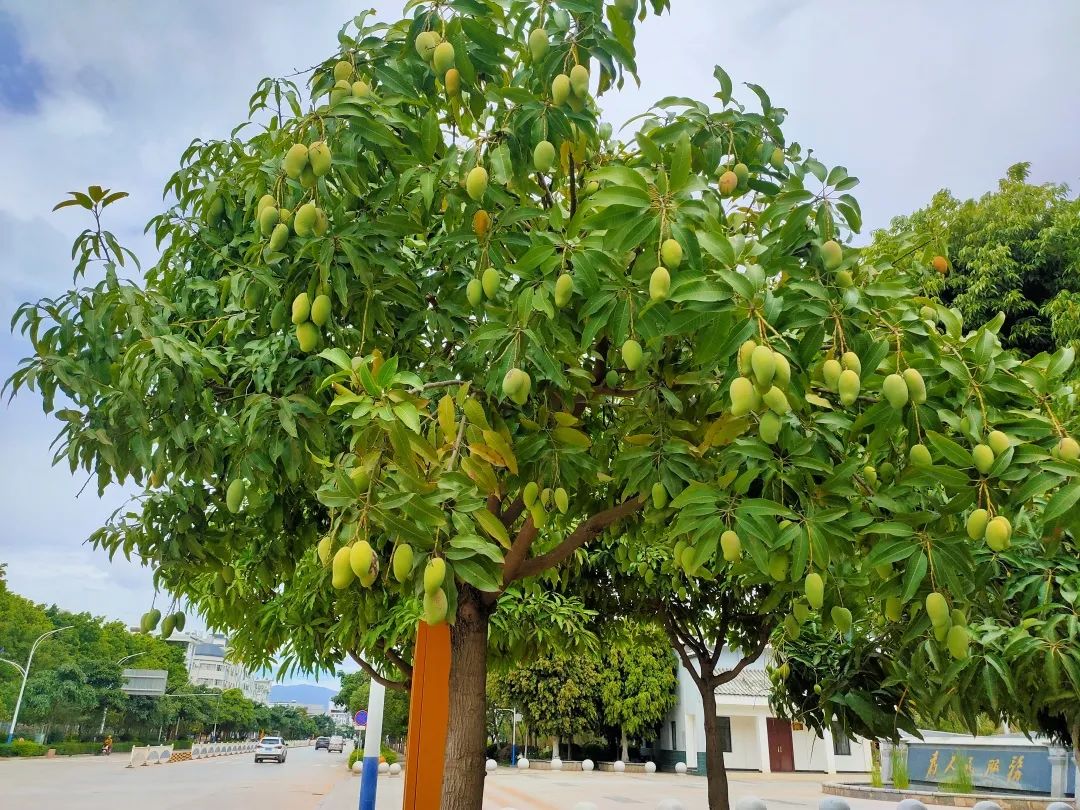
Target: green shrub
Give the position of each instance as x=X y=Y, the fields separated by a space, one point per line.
x=963 y=781
x=22 y=748
x=900 y=777
x=355 y=755
x=389 y=754
x=69 y=748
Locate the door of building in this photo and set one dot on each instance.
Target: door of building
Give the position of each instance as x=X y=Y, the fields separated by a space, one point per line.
x=781 y=747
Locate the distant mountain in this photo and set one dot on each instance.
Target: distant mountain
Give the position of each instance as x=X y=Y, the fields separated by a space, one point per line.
x=303 y=693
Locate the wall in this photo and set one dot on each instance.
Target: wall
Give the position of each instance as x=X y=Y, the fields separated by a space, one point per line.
x=745 y=751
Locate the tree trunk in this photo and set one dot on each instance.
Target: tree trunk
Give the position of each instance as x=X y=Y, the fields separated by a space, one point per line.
x=625 y=746
x=715 y=769
x=554 y=748
x=463 y=771
x=1076 y=761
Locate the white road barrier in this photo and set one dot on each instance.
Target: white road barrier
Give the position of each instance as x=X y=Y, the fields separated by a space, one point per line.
x=138 y=755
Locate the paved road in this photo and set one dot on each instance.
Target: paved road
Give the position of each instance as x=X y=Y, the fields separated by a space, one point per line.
x=100 y=783
x=316 y=780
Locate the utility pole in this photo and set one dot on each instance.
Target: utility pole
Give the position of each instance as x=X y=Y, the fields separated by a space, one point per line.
x=26 y=674
x=105 y=711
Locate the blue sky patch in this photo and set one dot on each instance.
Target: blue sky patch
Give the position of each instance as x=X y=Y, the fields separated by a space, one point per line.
x=21 y=79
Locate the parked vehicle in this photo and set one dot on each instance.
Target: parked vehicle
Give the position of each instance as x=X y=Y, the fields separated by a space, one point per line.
x=271 y=748
x=337 y=744
x=322 y=742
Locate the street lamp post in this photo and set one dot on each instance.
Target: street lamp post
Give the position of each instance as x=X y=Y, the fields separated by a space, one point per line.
x=26 y=673
x=513 y=733
x=105 y=710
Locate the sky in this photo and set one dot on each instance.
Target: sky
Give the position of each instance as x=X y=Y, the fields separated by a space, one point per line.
x=910 y=97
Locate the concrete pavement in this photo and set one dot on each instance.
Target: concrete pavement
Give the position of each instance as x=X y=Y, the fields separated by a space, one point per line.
x=316 y=780
x=545 y=790
x=103 y=783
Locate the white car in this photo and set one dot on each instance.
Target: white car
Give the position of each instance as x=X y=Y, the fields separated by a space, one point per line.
x=271 y=748
x=337 y=744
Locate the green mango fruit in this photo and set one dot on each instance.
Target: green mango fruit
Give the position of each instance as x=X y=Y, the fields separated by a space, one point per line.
x=179 y=621
x=234 y=495
x=928 y=313
x=746 y=352
x=744 y=397
x=976 y=524
x=763 y=362
x=776 y=159
x=731 y=546
x=544 y=157
x=815 y=590
x=304 y=219
x=474 y=292
x=832 y=255
x=434 y=575
x=564 y=290
x=919 y=455
x=632 y=354
x=659 y=284
x=894 y=608
x=611 y=379
x=916 y=386
x=426 y=43
x=361 y=89
x=957 y=640
x=778 y=566
x=295 y=160
x=168 y=625
x=560 y=90
x=999 y=533
x=850 y=360
x=538 y=44
x=999 y=442
x=279 y=236
x=322 y=224
x=442 y=59
x=729 y=181
x=895 y=391
x=848 y=386
x=476 y=183
x=801 y=612
x=562 y=500
x=320 y=310
x=671 y=254
x=782 y=375
x=742 y=171
x=937 y=609
x=361 y=558
x=777 y=401
x=490 y=280
x=841 y=617
x=402 y=562
x=435 y=607
x=531 y=491
x=326 y=545
x=268 y=218
x=343 y=70
x=983 y=458
x=215 y=211
x=830 y=372
x=319 y=156
x=659 y=495
x=579 y=81
x=791 y=627
x=1068 y=449
x=844 y=279
x=769 y=427
x=514 y=381
x=307 y=335
x=301 y=308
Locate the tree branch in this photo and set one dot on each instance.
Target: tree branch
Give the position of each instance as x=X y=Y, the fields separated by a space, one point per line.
x=573 y=185
x=375 y=676
x=731 y=674
x=585 y=532
x=519 y=550
x=513 y=511
x=399 y=662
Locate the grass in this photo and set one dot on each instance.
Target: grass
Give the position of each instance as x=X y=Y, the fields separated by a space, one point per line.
x=963 y=781
x=900 y=777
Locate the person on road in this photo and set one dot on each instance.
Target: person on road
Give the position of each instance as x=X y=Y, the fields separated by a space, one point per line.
x=107 y=746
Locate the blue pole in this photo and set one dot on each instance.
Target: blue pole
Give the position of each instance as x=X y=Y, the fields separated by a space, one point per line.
x=369 y=776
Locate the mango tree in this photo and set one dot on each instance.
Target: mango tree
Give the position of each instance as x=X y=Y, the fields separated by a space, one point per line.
x=421 y=340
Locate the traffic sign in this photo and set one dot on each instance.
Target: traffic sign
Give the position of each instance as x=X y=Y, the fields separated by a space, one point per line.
x=361 y=718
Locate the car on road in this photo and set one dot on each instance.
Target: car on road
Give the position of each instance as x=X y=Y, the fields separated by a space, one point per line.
x=271 y=748
x=337 y=744
x=322 y=742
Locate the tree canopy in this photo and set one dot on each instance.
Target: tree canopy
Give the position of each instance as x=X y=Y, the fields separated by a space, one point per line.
x=1014 y=250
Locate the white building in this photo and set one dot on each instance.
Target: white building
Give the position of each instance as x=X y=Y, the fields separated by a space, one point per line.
x=310 y=709
x=340 y=715
x=754 y=739
x=208 y=665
